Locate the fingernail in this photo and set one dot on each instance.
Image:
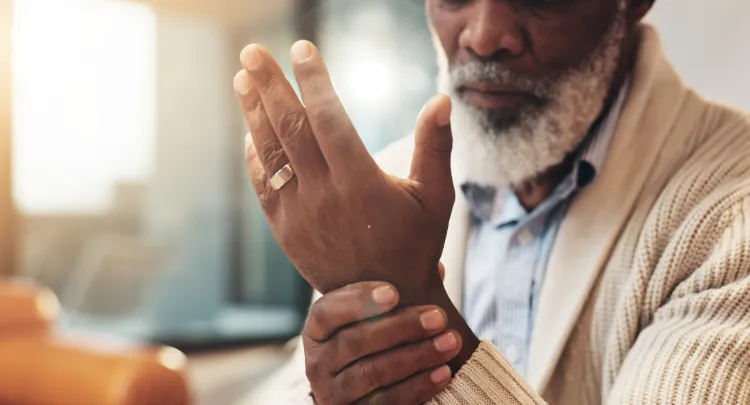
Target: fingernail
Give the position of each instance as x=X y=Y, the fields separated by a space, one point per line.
x=251 y=57
x=432 y=320
x=301 y=52
x=444 y=115
x=446 y=342
x=242 y=82
x=440 y=375
x=384 y=295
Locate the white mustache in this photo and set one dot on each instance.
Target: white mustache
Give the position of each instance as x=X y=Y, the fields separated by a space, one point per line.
x=498 y=74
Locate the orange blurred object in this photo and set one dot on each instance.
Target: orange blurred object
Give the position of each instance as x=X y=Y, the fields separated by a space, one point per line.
x=24 y=307
x=40 y=366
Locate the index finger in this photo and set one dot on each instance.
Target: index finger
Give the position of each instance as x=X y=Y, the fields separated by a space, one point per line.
x=336 y=135
x=347 y=305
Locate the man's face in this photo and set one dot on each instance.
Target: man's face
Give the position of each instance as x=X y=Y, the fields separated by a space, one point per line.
x=535 y=39
x=528 y=78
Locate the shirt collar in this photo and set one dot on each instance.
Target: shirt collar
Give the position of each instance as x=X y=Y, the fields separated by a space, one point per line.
x=503 y=208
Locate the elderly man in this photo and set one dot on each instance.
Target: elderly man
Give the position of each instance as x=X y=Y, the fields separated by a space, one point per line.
x=598 y=251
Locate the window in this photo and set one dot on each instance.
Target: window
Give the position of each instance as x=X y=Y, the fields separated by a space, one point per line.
x=129 y=177
x=382 y=63
x=128 y=155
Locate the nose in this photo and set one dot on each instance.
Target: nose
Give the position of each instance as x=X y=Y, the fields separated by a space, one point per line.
x=492 y=30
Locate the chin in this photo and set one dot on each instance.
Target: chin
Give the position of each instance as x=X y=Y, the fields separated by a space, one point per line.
x=498 y=120
x=498 y=147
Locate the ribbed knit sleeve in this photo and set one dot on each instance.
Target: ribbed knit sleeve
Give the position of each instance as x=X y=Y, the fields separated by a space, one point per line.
x=695 y=349
x=487 y=379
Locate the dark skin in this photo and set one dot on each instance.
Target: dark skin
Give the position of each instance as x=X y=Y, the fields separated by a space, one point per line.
x=344 y=223
x=537 y=40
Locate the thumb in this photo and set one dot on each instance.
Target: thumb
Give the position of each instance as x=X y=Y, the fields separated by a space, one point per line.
x=431 y=162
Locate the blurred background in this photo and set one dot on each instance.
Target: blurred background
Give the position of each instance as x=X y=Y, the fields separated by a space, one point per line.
x=122 y=179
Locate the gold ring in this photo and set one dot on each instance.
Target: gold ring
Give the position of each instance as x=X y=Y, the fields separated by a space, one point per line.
x=281 y=177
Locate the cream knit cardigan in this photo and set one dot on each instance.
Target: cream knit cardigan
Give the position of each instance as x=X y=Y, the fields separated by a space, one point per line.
x=647 y=295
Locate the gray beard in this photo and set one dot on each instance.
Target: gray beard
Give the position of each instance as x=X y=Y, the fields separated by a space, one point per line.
x=504 y=148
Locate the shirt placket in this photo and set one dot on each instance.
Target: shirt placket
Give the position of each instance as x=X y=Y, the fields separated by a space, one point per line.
x=514 y=289
x=519 y=281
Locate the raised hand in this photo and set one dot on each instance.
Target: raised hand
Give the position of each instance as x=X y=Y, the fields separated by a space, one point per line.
x=340 y=219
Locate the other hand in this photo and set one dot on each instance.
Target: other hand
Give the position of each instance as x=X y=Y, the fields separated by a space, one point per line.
x=356 y=355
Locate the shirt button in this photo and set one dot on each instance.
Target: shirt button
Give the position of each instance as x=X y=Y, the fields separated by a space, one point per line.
x=513 y=354
x=525 y=237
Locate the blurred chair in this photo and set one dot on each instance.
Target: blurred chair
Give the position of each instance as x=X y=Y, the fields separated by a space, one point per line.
x=40 y=366
x=24 y=307
x=112 y=276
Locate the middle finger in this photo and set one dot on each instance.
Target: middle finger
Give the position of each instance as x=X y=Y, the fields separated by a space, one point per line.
x=339 y=141
x=267 y=148
x=362 y=339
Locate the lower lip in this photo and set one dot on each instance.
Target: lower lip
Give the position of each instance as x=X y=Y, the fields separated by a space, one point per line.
x=496 y=100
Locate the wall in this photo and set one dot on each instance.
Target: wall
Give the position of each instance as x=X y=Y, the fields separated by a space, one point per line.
x=708 y=42
x=187 y=198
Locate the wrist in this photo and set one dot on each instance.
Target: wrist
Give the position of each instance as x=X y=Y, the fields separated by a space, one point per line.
x=436 y=295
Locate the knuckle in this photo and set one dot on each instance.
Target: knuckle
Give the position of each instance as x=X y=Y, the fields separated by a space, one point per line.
x=292 y=125
x=370 y=372
x=324 y=115
x=266 y=82
x=349 y=344
x=347 y=380
x=275 y=159
x=312 y=369
x=269 y=149
x=316 y=316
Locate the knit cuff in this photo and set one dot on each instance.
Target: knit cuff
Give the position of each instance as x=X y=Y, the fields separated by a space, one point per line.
x=487 y=379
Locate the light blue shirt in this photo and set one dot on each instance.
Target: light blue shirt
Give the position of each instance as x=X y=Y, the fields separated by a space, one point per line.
x=508 y=248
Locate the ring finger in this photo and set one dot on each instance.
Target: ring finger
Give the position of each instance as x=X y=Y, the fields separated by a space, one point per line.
x=268 y=148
